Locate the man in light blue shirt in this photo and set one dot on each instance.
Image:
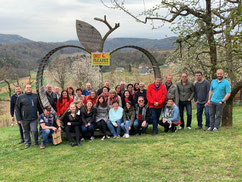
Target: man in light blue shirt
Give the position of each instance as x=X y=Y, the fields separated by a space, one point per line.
x=220 y=91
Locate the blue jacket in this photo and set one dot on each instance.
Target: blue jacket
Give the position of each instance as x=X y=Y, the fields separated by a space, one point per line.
x=12 y=104
x=175 y=115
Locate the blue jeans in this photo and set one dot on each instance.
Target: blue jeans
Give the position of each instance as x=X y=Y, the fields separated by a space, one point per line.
x=46 y=135
x=125 y=126
x=112 y=129
x=89 y=128
x=188 y=105
x=155 y=118
x=137 y=126
x=200 y=108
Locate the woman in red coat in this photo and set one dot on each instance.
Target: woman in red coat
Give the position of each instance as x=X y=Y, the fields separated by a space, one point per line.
x=63 y=103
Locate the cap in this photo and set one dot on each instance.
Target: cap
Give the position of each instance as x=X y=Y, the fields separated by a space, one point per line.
x=48 y=108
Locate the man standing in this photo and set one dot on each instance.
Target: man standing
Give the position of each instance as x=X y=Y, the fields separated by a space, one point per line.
x=47 y=121
x=220 y=91
x=202 y=87
x=26 y=109
x=140 y=92
x=87 y=90
x=52 y=97
x=57 y=92
x=156 y=96
x=172 y=91
x=186 y=94
x=18 y=92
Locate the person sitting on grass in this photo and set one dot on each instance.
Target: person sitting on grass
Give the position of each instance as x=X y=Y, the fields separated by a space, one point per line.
x=72 y=121
x=128 y=117
x=102 y=116
x=171 y=116
x=143 y=116
x=47 y=121
x=88 y=114
x=115 y=119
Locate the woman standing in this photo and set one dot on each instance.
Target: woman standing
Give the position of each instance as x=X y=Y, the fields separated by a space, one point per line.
x=63 y=103
x=115 y=119
x=113 y=96
x=88 y=115
x=72 y=121
x=128 y=117
x=127 y=97
x=102 y=115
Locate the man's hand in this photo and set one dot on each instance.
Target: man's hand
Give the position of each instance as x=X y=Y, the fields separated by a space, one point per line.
x=129 y=128
x=143 y=124
x=54 y=128
x=116 y=125
x=156 y=104
x=89 y=124
x=69 y=124
x=12 y=118
x=19 y=122
x=189 y=99
x=207 y=104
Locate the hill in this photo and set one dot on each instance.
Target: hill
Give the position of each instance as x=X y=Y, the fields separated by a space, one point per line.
x=11 y=38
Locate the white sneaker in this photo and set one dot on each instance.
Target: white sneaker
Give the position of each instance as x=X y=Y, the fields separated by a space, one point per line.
x=189 y=128
x=124 y=135
x=209 y=129
x=82 y=139
x=107 y=136
x=215 y=129
x=92 y=138
x=118 y=136
x=103 y=138
x=127 y=136
x=180 y=128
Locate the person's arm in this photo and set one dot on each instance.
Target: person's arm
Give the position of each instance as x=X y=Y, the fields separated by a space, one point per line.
x=124 y=116
x=176 y=96
x=12 y=105
x=195 y=94
x=149 y=95
x=163 y=96
x=209 y=97
x=120 y=101
x=208 y=88
x=131 y=122
x=18 y=110
x=228 y=93
x=192 y=92
x=58 y=107
x=44 y=127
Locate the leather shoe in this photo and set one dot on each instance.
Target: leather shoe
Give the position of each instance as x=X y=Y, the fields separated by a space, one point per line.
x=27 y=146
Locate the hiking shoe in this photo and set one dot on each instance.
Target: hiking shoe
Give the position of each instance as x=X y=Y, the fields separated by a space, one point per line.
x=209 y=129
x=189 y=127
x=27 y=146
x=118 y=136
x=215 y=129
x=199 y=128
x=126 y=136
x=92 y=138
x=180 y=128
x=42 y=147
x=82 y=139
x=103 y=138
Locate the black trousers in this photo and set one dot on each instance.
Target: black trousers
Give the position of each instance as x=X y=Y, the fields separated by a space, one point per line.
x=102 y=126
x=166 y=126
x=68 y=132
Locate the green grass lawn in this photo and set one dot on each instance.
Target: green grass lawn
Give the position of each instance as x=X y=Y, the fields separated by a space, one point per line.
x=181 y=156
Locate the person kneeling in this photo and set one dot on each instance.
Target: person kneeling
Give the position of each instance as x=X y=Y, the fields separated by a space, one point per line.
x=143 y=115
x=46 y=121
x=171 y=116
x=115 y=119
x=72 y=121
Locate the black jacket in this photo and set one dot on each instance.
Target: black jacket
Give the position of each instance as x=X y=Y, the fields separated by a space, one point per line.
x=27 y=107
x=12 y=104
x=74 y=121
x=52 y=99
x=88 y=118
x=146 y=113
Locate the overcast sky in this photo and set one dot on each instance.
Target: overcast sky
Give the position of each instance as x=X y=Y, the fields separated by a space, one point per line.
x=54 y=20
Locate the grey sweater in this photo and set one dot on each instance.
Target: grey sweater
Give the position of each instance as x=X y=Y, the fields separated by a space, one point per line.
x=102 y=113
x=201 y=92
x=185 y=91
x=172 y=93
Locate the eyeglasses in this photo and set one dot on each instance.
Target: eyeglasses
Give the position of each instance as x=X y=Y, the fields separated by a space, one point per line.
x=140 y=100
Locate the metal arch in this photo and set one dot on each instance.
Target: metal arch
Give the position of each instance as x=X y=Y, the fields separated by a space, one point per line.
x=39 y=78
x=147 y=53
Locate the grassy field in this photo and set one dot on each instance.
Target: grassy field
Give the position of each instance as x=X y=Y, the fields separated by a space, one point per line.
x=181 y=156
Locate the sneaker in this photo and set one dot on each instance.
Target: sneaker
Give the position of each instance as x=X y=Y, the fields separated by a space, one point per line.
x=118 y=136
x=92 y=138
x=82 y=139
x=209 y=129
x=115 y=136
x=206 y=128
x=124 y=135
x=215 y=129
x=107 y=136
x=103 y=138
x=42 y=147
x=199 y=128
x=127 y=136
x=180 y=128
x=27 y=146
x=189 y=127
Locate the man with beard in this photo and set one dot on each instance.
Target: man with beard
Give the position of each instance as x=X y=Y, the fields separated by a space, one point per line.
x=220 y=91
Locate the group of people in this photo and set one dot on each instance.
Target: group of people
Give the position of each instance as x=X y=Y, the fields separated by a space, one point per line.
x=126 y=108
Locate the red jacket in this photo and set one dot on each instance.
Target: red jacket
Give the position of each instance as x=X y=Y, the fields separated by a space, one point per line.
x=94 y=100
x=154 y=95
x=62 y=107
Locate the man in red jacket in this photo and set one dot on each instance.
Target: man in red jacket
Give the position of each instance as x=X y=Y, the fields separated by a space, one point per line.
x=156 y=96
